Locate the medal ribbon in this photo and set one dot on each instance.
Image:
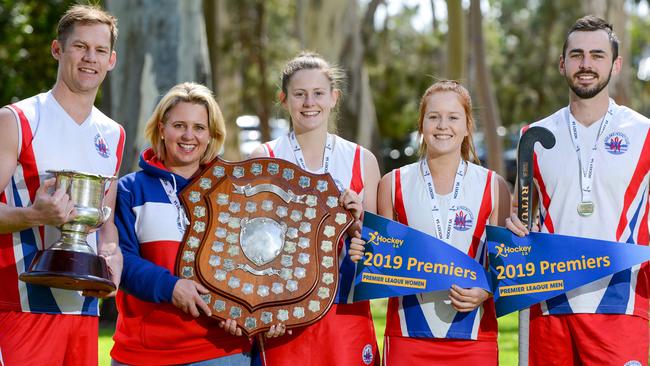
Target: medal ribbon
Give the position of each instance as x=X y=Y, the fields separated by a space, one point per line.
x=327 y=154
x=435 y=211
x=587 y=176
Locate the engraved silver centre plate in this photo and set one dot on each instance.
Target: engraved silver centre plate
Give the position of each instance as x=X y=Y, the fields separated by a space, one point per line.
x=262 y=239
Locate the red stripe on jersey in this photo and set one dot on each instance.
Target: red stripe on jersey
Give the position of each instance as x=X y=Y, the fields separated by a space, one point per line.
x=8 y=267
x=535 y=311
x=28 y=162
x=392 y=316
x=269 y=150
x=27 y=159
x=642 y=238
x=357 y=175
x=488 y=328
x=9 y=296
x=546 y=200
x=120 y=150
x=642 y=290
x=398 y=206
x=633 y=188
x=483 y=216
x=8 y=270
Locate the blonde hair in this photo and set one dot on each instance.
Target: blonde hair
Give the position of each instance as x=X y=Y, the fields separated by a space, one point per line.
x=188 y=93
x=85 y=15
x=467 y=147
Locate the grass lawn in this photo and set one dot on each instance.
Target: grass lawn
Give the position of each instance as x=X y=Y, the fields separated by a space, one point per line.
x=507 y=336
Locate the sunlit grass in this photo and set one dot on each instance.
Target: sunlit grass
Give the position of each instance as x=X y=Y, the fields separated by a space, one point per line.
x=105 y=345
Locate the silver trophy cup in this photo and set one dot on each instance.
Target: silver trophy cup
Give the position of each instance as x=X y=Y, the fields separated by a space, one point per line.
x=71 y=263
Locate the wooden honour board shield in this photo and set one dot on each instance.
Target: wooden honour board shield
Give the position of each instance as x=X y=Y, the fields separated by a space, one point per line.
x=263 y=238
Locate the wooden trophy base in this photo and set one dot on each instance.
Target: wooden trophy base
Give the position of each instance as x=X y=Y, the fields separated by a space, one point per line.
x=69 y=270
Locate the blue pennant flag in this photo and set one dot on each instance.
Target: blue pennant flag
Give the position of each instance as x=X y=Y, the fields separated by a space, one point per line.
x=400 y=261
x=539 y=266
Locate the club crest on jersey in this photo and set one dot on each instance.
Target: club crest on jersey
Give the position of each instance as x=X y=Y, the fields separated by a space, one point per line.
x=616 y=143
x=463 y=219
x=632 y=363
x=101 y=146
x=366 y=354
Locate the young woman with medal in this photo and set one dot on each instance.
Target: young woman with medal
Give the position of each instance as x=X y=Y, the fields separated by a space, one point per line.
x=162 y=318
x=345 y=335
x=451 y=198
x=601 y=166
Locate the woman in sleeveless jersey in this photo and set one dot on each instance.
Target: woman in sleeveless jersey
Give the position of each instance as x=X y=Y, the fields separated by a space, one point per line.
x=449 y=197
x=345 y=335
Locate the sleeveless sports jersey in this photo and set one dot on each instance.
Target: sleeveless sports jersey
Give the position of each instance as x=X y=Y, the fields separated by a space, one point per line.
x=346 y=167
x=49 y=139
x=620 y=194
x=427 y=315
x=345 y=335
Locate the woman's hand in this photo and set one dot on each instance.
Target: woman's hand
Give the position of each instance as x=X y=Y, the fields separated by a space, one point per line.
x=277 y=330
x=467 y=299
x=352 y=202
x=186 y=296
x=357 y=247
x=517 y=227
x=231 y=327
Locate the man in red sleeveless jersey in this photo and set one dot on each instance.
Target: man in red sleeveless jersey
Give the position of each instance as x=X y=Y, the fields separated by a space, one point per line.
x=56 y=130
x=594 y=184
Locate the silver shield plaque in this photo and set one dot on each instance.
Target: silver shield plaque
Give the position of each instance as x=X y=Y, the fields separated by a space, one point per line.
x=262 y=239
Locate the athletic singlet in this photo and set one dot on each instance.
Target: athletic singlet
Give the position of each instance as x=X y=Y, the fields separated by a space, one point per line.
x=429 y=315
x=49 y=139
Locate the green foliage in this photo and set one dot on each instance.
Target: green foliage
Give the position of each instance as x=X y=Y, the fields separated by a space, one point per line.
x=639 y=32
x=524 y=42
x=27 y=28
x=243 y=46
x=402 y=62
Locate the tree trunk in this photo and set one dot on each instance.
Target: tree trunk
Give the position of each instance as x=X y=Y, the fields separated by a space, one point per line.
x=161 y=43
x=620 y=88
x=333 y=28
x=455 y=40
x=434 y=21
x=225 y=75
x=614 y=13
x=595 y=7
x=264 y=99
x=489 y=111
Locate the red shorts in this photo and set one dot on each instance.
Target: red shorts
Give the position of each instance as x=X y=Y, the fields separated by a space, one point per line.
x=428 y=351
x=587 y=339
x=344 y=336
x=47 y=339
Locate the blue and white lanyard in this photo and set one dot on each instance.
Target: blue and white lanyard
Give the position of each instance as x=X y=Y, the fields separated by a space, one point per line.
x=300 y=159
x=446 y=235
x=587 y=175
